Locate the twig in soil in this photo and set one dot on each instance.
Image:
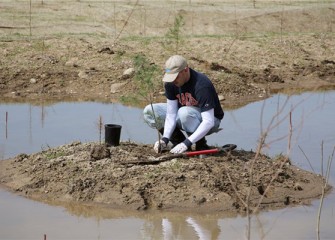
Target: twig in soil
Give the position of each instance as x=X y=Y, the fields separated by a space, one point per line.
x=235 y=190
x=286 y=160
x=330 y=160
x=155 y=160
x=100 y=124
x=126 y=22
x=310 y=165
x=6 y=125
x=263 y=136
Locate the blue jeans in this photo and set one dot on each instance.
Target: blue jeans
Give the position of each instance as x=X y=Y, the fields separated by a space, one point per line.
x=188 y=118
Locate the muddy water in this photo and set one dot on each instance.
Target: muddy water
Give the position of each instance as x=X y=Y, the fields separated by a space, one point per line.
x=29 y=129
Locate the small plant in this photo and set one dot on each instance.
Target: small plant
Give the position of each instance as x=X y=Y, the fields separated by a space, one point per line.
x=173 y=38
x=282 y=158
x=150 y=175
x=175 y=166
x=145 y=73
x=40 y=46
x=100 y=125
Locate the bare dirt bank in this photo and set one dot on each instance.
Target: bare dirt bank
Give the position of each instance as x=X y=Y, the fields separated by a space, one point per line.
x=249 y=52
x=89 y=72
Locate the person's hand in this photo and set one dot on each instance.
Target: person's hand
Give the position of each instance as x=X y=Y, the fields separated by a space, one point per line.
x=180 y=148
x=159 y=146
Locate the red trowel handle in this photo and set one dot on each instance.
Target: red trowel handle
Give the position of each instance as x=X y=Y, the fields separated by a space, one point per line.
x=195 y=153
x=225 y=148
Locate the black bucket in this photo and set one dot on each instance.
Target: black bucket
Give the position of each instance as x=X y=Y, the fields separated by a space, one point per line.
x=112 y=134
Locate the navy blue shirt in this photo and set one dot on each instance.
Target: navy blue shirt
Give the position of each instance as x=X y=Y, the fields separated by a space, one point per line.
x=198 y=91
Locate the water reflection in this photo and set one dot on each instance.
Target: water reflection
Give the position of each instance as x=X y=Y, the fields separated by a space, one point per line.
x=26 y=219
x=163 y=225
x=28 y=129
x=93 y=222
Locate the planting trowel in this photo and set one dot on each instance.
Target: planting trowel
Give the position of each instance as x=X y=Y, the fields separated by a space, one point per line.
x=226 y=148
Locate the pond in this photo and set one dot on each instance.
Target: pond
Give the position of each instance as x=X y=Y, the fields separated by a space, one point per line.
x=27 y=129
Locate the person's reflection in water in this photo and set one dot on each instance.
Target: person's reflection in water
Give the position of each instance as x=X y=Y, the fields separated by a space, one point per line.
x=203 y=229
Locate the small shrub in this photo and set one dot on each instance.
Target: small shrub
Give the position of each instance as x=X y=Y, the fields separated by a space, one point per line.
x=173 y=38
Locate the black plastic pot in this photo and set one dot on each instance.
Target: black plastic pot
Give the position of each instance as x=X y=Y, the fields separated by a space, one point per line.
x=112 y=134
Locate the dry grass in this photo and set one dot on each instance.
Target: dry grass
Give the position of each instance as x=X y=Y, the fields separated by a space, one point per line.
x=45 y=19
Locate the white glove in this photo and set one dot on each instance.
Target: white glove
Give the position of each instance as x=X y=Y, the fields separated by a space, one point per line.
x=159 y=146
x=180 y=148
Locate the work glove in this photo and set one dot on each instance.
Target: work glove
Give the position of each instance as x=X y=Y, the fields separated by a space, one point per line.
x=180 y=148
x=160 y=146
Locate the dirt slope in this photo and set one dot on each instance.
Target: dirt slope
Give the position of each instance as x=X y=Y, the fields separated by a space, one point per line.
x=79 y=51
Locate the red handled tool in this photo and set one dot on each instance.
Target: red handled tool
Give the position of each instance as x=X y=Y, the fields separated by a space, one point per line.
x=226 y=148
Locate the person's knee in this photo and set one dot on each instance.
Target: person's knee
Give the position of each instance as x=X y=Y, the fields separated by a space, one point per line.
x=154 y=115
x=188 y=119
x=183 y=114
x=147 y=110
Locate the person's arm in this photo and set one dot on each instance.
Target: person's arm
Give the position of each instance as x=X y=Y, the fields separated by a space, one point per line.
x=205 y=126
x=170 y=120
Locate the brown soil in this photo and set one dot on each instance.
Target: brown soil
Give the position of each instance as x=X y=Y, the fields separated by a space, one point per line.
x=129 y=176
x=249 y=53
x=89 y=72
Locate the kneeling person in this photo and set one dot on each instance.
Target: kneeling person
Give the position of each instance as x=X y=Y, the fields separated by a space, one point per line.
x=192 y=106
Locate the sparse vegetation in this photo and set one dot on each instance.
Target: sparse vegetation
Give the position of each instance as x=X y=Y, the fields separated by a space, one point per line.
x=146 y=79
x=173 y=38
x=146 y=74
x=54 y=154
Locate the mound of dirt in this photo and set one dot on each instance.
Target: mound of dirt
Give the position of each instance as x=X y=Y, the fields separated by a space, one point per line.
x=129 y=176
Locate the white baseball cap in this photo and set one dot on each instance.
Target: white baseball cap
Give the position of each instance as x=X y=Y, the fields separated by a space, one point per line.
x=173 y=66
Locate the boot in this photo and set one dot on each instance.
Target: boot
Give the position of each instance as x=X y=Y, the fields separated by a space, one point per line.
x=176 y=137
x=201 y=145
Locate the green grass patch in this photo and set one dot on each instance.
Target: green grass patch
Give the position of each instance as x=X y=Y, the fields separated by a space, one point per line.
x=53 y=155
